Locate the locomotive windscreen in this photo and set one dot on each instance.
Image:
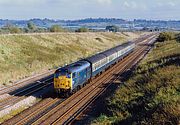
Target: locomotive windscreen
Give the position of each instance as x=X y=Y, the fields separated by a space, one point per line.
x=62 y=73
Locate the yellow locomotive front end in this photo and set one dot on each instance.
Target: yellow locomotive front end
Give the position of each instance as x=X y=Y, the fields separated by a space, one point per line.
x=62 y=82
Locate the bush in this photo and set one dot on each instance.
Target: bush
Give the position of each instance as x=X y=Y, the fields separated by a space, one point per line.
x=112 y=28
x=56 y=28
x=14 y=30
x=165 y=36
x=178 y=37
x=31 y=26
x=82 y=29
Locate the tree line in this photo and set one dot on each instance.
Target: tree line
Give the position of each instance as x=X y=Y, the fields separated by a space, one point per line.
x=32 y=28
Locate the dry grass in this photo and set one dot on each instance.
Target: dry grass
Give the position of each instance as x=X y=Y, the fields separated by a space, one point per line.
x=25 y=55
x=12 y=114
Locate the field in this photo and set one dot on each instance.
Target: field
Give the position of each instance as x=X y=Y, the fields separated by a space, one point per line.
x=151 y=93
x=29 y=54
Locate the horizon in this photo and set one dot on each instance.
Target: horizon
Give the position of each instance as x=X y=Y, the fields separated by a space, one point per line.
x=70 y=10
x=87 y=18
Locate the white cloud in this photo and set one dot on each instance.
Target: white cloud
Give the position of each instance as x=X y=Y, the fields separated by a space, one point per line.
x=104 y=1
x=134 y=4
x=21 y=2
x=70 y=9
x=126 y=4
x=171 y=4
x=166 y=4
x=130 y=4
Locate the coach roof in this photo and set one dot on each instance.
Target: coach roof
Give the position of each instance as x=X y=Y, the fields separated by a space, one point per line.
x=109 y=52
x=95 y=58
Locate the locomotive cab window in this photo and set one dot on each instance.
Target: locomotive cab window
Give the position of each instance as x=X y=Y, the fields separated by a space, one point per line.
x=74 y=75
x=68 y=75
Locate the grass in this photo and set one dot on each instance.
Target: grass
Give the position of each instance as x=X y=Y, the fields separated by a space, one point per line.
x=12 y=114
x=18 y=110
x=25 y=55
x=151 y=93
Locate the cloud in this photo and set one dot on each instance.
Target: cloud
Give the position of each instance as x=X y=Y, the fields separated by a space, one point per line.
x=104 y=1
x=166 y=4
x=71 y=9
x=20 y=2
x=171 y=4
x=126 y=4
x=130 y=5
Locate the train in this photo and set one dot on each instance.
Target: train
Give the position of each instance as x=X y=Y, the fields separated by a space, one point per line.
x=72 y=77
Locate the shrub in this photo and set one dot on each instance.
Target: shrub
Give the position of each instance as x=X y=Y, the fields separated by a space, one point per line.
x=14 y=30
x=112 y=28
x=56 y=28
x=165 y=36
x=31 y=26
x=178 y=37
x=82 y=29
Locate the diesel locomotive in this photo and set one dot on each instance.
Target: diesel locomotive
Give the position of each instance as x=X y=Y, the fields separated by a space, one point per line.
x=72 y=77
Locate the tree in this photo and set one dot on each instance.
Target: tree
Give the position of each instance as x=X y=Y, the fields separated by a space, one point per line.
x=14 y=29
x=112 y=28
x=31 y=26
x=82 y=29
x=56 y=28
x=10 y=28
x=165 y=36
x=178 y=37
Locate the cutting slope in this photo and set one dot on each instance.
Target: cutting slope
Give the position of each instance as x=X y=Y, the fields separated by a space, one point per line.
x=24 y=55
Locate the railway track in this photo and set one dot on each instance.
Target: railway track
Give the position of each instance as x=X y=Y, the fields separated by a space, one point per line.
x=29 y=81
x=40 y=77
x=78 y=113
x=24 y=93
x=51 y=110
x=73 y=108
x=15 y=96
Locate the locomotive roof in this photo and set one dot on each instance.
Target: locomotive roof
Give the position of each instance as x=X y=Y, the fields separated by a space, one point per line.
x=76 y=67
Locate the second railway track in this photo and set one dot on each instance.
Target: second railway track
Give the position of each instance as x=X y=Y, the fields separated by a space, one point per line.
x=20 y=95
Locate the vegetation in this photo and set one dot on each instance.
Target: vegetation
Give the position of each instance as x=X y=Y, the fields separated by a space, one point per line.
x=165 y=36
x=25 y=55
x=9 y=28
x=14 y=30
x=56 y=28
x=177 y=37
x=12 y=114
x=150 y=94
x=31 y=26
x=82 y=29
x=112 y=28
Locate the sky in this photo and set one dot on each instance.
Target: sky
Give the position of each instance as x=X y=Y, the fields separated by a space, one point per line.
x=79 y=9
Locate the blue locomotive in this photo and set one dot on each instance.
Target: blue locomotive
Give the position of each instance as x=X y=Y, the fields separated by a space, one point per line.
x=72 y=77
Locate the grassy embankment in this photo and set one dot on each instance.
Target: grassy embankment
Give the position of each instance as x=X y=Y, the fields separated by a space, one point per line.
x=25 y=55
x=151 y=94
